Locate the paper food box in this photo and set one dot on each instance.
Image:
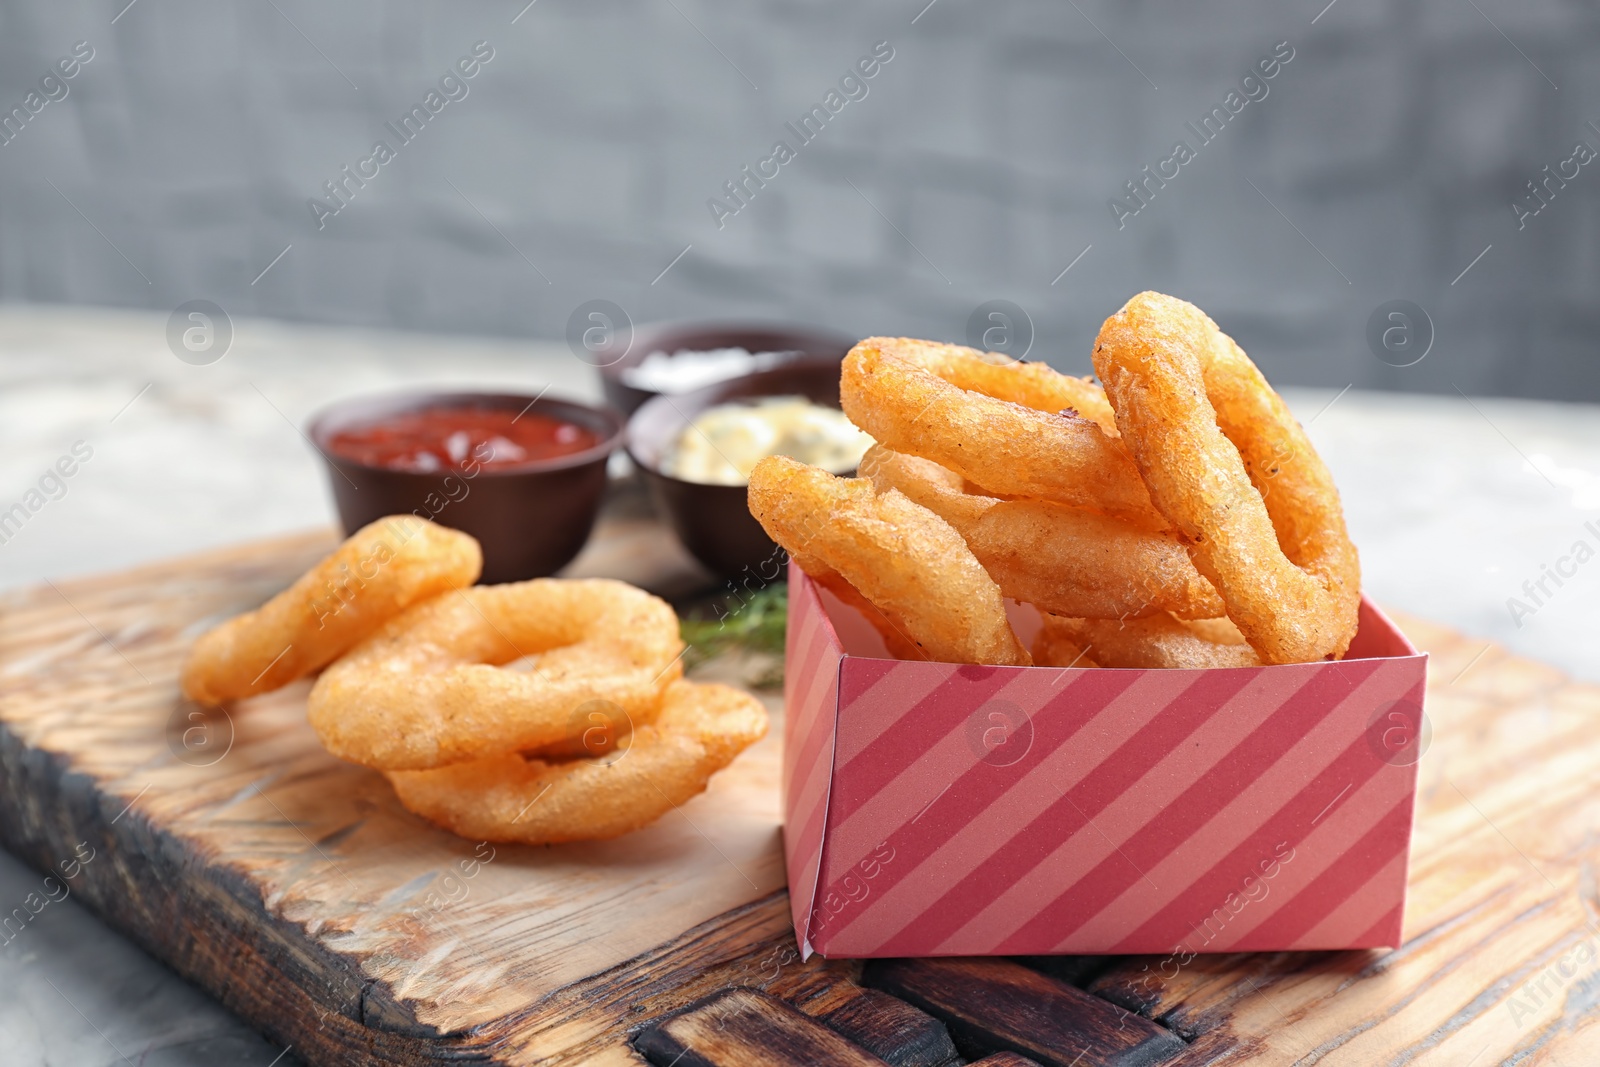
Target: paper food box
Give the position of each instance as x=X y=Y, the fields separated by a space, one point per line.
x=938 y=809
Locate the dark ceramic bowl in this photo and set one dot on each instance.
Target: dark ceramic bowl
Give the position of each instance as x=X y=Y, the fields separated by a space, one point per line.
x=531 y=519
x=805 y=341
x=714 y=521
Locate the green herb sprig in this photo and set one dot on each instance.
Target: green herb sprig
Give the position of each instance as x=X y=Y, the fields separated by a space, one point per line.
x=757 y=623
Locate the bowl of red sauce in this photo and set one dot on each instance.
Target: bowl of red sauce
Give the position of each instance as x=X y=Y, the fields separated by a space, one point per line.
x=524 y=475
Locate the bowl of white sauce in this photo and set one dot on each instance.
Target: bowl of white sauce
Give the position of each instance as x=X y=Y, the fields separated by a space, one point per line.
x=695 y=451
x=677 y=358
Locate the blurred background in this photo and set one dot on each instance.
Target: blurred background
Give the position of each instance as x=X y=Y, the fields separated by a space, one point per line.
x=979 y=162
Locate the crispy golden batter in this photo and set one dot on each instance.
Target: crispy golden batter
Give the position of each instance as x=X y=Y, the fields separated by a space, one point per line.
x=1235 y=474
x=382 y=569
x=1063 y=560
x=1219 y=631
x=1158 y=642
x=899 y=644
x=913 y=397
x=1054 y=646
x=507 y=797
x=1033 y=385
x=428 y=690
x=911 y=564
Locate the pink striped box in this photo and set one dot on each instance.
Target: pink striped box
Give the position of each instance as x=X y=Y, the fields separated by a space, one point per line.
x=938 y=809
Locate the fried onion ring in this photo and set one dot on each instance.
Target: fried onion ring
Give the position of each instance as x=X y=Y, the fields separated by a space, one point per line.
x=378 y=572
x=1157 y=642
x=899 y=644
x=1235 y=474
x=699 y=731
x=428 y=690
x=1066 y=561
x=913 y=397
x=911 y=564
x=1033 y=385
x=1054 y=646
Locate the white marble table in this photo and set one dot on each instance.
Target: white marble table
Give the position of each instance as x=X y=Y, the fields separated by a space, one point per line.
x=1455 y=504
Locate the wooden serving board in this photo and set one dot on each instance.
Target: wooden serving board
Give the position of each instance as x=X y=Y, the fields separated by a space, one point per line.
x=296 y=890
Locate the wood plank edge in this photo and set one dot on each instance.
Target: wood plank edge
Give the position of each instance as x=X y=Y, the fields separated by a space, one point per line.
x=257 y=965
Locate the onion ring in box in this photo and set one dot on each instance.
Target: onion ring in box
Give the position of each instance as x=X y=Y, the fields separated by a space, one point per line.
x=1033 y=385
x=1156 y=642
x=699 y=731
x=1055 y=646
x=899 y=644
x=1066 y=561
x=906 y=395
x=911 y=564
x=1235 y=474
x=379 y=571
x=428 y=690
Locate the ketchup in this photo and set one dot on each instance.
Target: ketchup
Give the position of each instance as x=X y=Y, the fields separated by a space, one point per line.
x=456 y=438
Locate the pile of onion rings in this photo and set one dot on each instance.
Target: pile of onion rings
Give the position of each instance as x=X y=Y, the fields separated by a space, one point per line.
x=1066 y=561
x=1178 y=517
x=538 y=712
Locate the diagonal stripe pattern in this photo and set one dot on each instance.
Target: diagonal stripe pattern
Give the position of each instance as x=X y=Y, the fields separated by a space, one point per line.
x=944 y=809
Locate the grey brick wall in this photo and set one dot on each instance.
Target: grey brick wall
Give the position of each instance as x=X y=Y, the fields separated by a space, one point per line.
x=1384 y=159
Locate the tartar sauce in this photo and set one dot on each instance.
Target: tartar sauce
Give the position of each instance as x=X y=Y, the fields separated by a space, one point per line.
x=723 y=443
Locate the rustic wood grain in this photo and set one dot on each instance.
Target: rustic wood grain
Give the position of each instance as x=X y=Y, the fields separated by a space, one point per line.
x=885 y=1026
x=747 y=1028
x=294 y=889
x=998 y=1005
x=345 y=904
